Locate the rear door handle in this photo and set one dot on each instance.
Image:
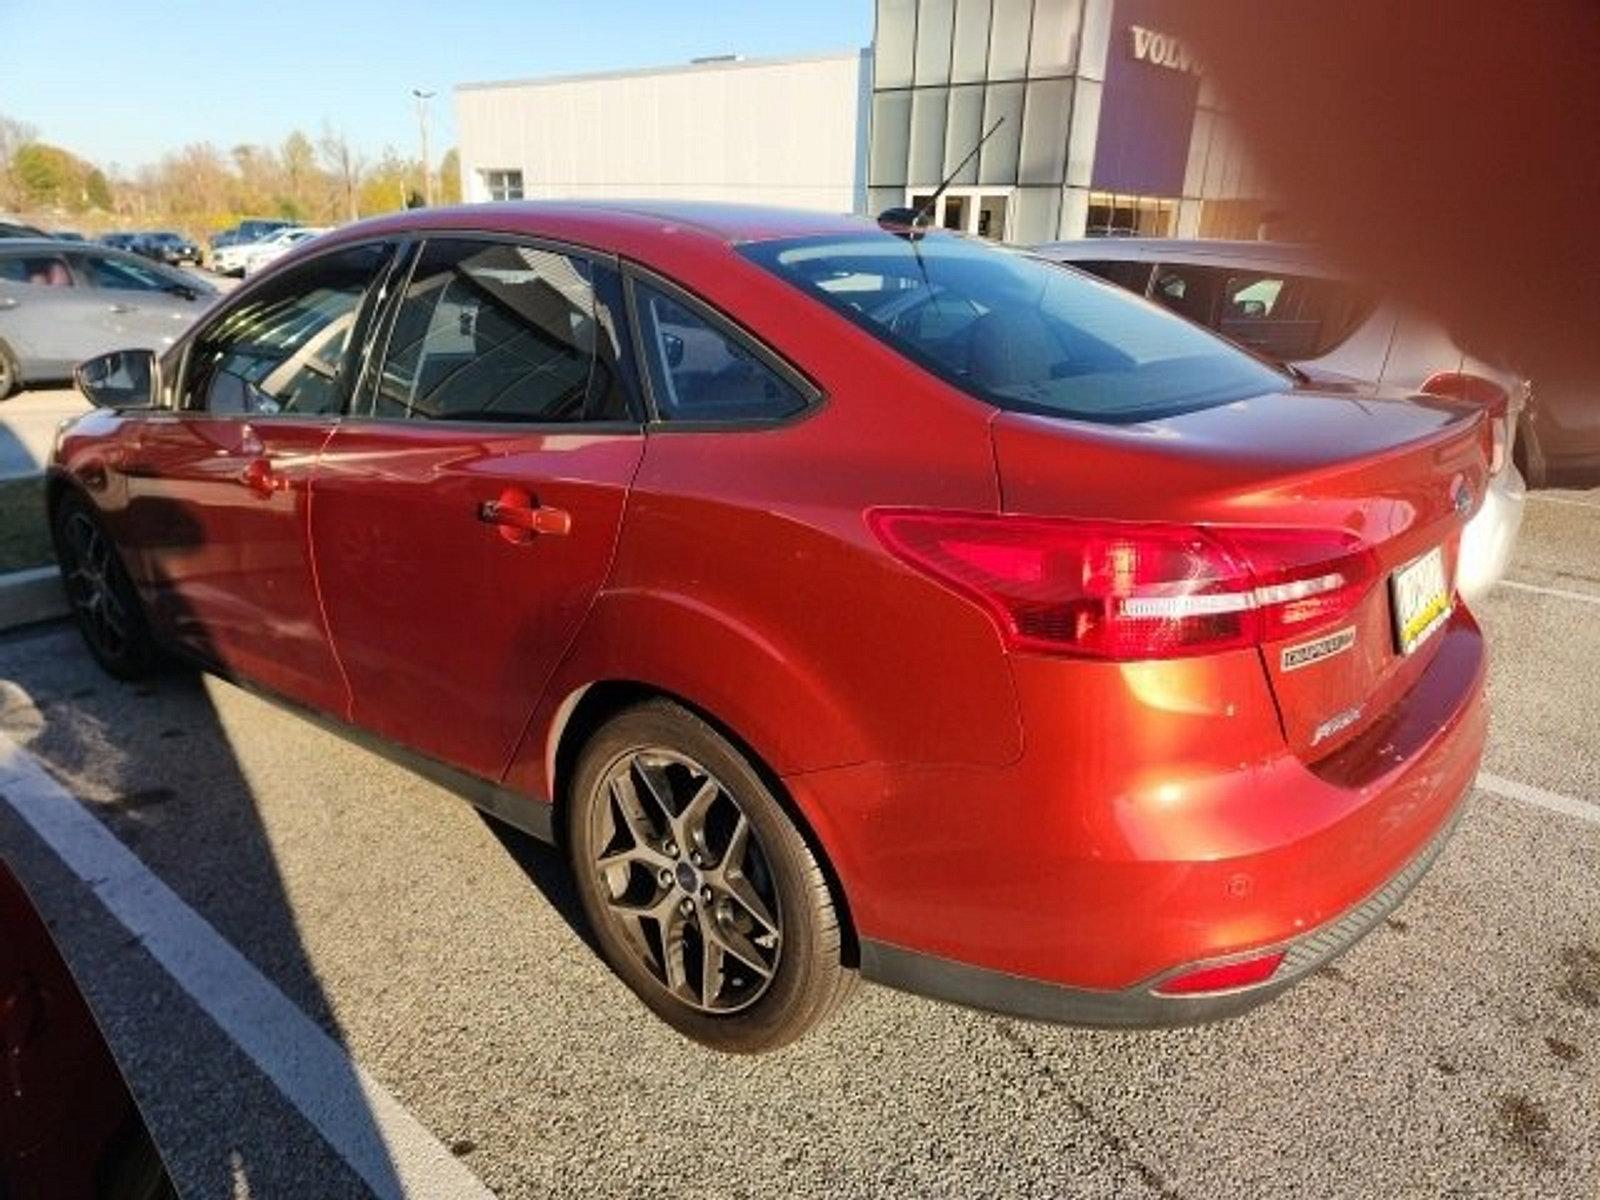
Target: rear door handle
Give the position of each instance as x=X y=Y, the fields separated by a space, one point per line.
x=520 y=519
x=8 y=301
x=119 y=308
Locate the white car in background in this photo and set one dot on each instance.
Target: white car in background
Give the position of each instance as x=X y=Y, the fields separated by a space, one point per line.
x=1283 y=302
x=255 y=255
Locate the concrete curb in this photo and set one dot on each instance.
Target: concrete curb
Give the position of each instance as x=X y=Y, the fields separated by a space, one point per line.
x=30 y=596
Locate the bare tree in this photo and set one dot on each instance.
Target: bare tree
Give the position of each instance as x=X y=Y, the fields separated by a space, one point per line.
x=345 y=165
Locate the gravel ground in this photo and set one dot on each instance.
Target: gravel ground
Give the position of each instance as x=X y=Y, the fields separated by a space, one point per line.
x=1455 y=1052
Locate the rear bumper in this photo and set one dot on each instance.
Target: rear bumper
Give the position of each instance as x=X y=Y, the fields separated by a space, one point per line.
x=1143 y=1006
x=1155 y=834
x=1488 y=539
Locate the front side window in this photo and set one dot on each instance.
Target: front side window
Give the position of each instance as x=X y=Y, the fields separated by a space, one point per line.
x=124 y=275
x=36 y=270
x=1016 y=331
x=503 y=185
x=289 y=347
x=494 y=331
x=701 y=370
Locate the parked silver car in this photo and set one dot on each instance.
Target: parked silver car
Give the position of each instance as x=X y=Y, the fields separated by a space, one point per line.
x=63 y=302
x=1282 y=302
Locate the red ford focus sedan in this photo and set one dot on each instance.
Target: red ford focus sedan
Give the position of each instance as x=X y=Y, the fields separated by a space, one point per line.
x=847 y=600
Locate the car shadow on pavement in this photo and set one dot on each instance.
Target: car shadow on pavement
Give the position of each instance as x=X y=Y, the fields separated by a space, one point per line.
x=547 y=869
x=152 y=761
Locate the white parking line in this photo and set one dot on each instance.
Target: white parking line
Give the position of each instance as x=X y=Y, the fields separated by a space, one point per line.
x=1561 y=593
x=1570 y=503
x=1526 y=793
x=365 y=1125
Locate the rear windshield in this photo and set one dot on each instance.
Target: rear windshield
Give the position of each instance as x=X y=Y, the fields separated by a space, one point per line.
x=1016 y=331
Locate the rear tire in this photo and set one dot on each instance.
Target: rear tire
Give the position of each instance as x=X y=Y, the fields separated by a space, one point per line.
x=703 y=895
x=104 y=603
x=10 y=372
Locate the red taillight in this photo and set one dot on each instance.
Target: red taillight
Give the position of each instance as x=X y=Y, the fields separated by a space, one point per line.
x=1133 y=590
x=1495 y=401
x=1224 y=978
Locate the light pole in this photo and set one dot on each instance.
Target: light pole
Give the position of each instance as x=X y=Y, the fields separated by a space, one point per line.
x=422 y=99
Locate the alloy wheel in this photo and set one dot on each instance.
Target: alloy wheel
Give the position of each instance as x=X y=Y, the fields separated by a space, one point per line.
x=91 y=588
x=686 y=880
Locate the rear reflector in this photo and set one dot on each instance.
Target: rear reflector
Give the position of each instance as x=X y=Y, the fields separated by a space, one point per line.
x=1224 y=978
x=1125 y=591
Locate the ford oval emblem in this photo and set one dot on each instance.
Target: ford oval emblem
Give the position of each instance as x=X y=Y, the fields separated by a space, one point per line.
x=1462 y=498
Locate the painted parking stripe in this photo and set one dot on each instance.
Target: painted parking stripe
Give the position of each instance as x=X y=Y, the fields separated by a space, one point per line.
x=360 y=1119
x=1565 y=500
x=1526 y=793
x=1560 y=593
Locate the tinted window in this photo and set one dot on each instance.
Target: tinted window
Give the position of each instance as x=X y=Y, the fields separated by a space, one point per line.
x=1188 y=290
x=39 y=270
x=287 y=347
x=1016 y=331
x=1135 y=276
x=1289 y=317
x=701 y=370
x=124 y=275
x=490 y=331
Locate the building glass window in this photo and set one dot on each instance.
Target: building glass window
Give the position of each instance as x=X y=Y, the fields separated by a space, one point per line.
x=934 y=19
x=963 y=130
x=928 y=108
x=891 y=138
x=1054 y=49
x=1113 y=215
x=503 y=185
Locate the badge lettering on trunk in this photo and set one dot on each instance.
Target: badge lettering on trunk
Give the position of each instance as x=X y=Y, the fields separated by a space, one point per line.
x=1306 y=653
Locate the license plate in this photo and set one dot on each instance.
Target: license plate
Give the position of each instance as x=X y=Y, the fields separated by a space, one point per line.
x=1420 y=593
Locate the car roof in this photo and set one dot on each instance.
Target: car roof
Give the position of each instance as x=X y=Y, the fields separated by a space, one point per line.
x=622 y=219
x=1221 y=251
x=38 y=244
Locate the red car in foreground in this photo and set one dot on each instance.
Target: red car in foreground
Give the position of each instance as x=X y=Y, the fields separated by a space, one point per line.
x=844 y=598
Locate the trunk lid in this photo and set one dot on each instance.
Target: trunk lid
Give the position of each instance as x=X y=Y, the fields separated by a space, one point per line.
x=1396 y=478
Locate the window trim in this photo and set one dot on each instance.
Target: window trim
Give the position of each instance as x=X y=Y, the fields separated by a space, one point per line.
x=409 y=252
x=371 y=302
x=814 y=397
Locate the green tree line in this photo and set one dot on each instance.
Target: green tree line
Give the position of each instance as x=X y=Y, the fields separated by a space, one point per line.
x=201 y=188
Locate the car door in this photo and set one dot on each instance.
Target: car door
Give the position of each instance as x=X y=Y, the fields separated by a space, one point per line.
x=219 y=485
x=49 y=321
x=141 y=305
x=467 y=510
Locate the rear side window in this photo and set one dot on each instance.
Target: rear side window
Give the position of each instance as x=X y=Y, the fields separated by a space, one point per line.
x=1289 y=317
x=37 y=270
x=122 y=275
x=702 y=370
x=495 y=331
x=1125 y=273
x=287 y=347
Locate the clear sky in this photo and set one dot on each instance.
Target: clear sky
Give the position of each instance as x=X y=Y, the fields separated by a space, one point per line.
x=120 y=82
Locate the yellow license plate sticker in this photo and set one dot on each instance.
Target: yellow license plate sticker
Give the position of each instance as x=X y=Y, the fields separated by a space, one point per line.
x=1420 y=593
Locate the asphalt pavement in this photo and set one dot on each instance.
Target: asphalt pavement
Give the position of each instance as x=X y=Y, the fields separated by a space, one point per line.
x=324 y=977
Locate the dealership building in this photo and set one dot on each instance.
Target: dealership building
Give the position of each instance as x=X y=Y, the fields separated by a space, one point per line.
x=1098 y=122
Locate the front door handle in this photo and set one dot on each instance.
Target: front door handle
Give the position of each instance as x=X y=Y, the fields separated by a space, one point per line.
x=119 y=308
x=520 y=519
x=8 y=301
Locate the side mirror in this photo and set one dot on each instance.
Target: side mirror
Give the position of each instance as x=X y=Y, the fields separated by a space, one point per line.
x=121 y=379
x=674 y=347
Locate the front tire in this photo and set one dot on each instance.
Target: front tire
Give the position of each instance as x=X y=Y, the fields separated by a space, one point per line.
x=703 y=895
x=10 y=372
x=104 y=603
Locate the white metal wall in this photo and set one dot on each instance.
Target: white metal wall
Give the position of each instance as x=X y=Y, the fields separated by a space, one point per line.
x=776 y=131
